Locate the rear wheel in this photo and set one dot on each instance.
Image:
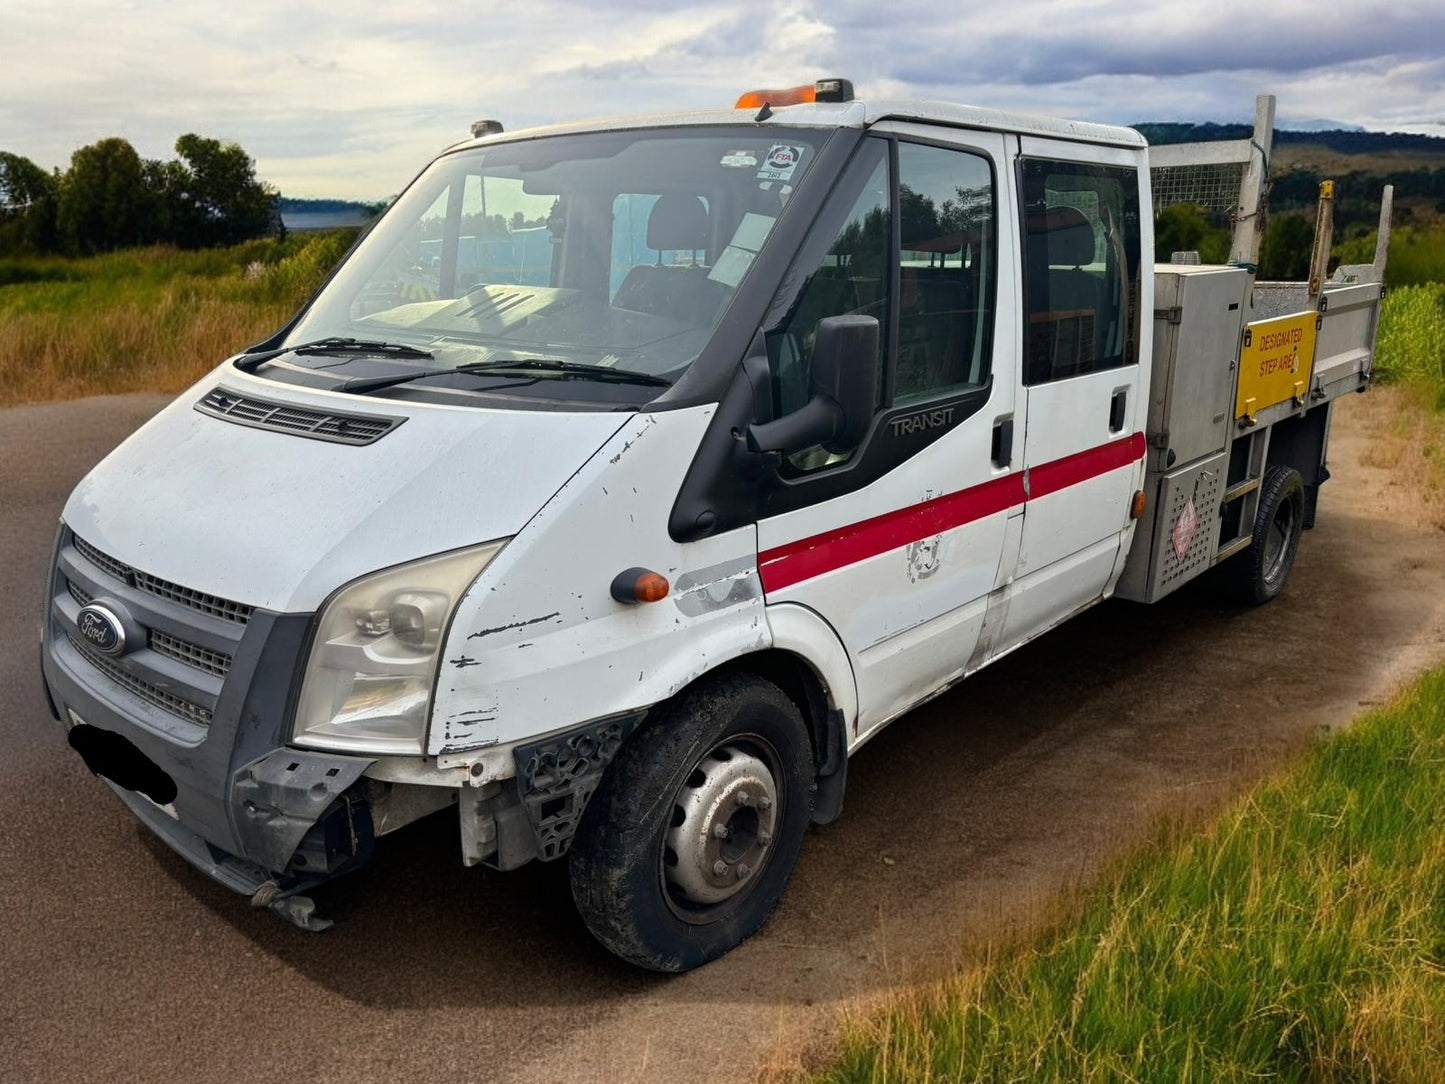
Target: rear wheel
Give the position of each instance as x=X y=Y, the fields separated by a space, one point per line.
x=1260 y=572
x=688 y=844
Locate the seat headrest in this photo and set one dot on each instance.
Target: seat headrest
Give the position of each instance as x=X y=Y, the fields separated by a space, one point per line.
x=1068 y=233
x=677 y=222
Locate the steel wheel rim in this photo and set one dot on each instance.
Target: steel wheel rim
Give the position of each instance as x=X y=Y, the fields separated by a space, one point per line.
x=733 y=787
x=1281 y=528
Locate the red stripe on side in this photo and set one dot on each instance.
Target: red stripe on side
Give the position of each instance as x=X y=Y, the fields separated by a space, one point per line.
x=1049 y=478
x=808 y=557
x=795 y=562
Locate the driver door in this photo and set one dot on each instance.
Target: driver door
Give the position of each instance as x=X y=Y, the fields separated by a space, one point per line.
x=900 y=543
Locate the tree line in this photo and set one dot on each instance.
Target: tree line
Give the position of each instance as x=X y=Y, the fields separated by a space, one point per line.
x=110 y=197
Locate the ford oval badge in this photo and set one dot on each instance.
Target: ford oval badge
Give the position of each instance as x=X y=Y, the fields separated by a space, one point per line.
x=101 y=629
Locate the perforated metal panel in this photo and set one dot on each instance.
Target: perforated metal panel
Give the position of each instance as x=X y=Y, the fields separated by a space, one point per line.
x=1204 y=485
x=1154 y=568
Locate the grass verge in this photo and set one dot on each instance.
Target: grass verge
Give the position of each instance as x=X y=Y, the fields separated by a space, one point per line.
x=1300 y=938
x=1410 y=346
x=147 y=319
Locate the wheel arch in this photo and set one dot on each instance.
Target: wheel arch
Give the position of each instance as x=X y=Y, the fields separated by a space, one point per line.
x=810 y=665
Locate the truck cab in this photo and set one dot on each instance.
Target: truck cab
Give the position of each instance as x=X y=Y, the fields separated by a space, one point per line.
x=623 y=481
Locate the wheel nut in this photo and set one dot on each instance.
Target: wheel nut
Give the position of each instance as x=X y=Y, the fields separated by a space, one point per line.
x=744 y=799
x=720 y=831
x=720 y=868
x=744 y=870
x=764 y=838
x=765 y=803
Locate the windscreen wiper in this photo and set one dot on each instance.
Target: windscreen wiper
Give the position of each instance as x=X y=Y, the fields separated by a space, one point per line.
x=553 y=366
x=337 y=346
x=569 y=368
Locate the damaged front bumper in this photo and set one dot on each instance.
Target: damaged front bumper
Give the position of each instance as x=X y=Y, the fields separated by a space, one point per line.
x=337 y=840
x=185 y=720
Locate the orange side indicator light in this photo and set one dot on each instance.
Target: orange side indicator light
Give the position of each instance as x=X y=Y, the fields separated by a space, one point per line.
x=1136 y=506
x=639 y=585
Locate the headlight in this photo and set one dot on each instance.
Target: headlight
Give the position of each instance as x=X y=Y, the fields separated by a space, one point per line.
x=369 y=678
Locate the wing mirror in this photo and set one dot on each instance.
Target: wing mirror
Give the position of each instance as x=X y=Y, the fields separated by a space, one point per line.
x=845 y=392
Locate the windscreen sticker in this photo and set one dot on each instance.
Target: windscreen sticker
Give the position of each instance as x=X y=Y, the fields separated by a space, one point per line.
x=731 y=266
x=739 y=160
x=752 y=231
x=780 y=163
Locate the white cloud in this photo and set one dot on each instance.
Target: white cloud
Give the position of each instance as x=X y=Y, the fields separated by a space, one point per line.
x=345 y=99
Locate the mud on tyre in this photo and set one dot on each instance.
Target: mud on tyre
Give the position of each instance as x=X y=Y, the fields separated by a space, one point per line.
x=688 y=844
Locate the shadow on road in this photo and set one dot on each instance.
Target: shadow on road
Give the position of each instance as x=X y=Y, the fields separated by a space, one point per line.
x=1060 y=741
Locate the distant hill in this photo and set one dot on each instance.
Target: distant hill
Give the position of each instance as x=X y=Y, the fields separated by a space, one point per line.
x=1317 y=125
x=1342 y=141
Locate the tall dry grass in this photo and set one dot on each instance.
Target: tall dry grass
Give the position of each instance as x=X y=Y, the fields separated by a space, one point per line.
x=148 y=319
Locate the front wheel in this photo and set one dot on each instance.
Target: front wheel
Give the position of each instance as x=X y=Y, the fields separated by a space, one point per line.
x=688 y=844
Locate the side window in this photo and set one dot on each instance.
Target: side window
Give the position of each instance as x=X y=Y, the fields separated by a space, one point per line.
x=849 y=278
x=947 y=271
x=1081 y=268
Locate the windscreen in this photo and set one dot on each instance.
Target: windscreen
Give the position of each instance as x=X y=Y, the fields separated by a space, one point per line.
x=617 y=249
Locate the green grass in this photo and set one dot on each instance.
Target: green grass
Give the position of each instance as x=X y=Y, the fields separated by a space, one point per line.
x=1300 y=938
x=150 y=319
x=1411 y=341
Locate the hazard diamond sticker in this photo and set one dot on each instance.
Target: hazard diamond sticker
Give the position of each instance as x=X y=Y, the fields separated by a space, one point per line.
x=1185 y=528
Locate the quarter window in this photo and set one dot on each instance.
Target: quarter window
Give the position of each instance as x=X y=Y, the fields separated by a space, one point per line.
x=1081 y=259
x=947 y=272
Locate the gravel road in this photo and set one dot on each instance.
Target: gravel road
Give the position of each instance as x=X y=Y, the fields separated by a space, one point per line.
x=965 y=823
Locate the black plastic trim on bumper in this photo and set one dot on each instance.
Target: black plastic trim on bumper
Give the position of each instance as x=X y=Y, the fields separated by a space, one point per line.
x=557 y=776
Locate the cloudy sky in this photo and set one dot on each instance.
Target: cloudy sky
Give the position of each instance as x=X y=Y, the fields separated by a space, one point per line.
x=349 y=99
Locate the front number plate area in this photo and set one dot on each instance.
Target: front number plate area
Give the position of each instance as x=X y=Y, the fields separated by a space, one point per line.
x=115 y=757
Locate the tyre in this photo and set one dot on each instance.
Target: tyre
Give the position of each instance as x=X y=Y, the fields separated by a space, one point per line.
x=689 y=841
x=1260 y=572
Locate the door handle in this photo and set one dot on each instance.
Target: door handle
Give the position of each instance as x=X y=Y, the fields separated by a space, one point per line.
x=1117 y=406
x=1002 y=452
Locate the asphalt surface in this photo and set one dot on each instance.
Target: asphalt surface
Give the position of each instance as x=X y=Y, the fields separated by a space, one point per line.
x=965 y=823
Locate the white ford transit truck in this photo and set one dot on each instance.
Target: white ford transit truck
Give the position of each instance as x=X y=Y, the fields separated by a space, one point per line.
x=627 y=477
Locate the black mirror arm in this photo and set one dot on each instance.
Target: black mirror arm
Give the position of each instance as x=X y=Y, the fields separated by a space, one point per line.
x=817 y=421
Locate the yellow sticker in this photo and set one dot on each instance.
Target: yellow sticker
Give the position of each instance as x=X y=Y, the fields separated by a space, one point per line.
x=1275 y=362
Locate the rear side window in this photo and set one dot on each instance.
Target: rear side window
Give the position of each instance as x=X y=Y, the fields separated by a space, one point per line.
x=1081 y=268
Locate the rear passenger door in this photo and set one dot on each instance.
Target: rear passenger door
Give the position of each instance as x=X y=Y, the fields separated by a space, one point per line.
x=898 y=544
x=1084 y=296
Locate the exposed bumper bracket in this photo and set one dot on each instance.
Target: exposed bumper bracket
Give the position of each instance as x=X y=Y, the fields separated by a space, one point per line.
x=278 y=798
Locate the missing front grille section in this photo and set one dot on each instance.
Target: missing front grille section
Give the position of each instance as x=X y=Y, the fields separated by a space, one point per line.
x=145 y=690
x=335 y=426
x=214 y=605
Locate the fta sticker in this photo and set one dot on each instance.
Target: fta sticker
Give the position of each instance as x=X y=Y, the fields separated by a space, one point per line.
x=1185 y=528
x=780 y=163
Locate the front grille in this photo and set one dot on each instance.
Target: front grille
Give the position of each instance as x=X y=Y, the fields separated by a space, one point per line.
x=104 y=560
x=202 y=658
x=143 y=689
x=174 y=592
x=196 y=600
x=342 y=428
